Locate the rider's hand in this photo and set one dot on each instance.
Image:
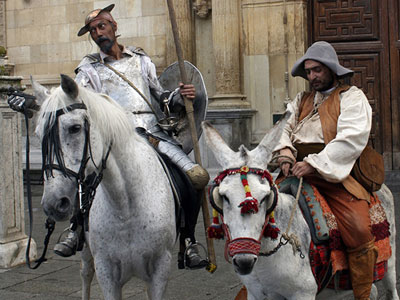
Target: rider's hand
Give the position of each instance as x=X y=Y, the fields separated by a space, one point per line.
x=187 y=90
x=286 y=163
x=302 y=168
x=19 y=103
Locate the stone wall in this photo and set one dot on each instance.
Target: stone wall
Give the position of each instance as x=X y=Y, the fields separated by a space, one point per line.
x=42 y=34
x=243 y=47
x=267 y=55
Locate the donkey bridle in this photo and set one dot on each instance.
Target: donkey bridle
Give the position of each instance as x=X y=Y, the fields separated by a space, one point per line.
x=244 y=244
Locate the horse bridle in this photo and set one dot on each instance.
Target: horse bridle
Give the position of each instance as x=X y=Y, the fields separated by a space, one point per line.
x=244 y=244
x=86 y=185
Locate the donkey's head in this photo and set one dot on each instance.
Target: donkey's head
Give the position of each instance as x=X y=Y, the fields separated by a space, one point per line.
x=244 y=193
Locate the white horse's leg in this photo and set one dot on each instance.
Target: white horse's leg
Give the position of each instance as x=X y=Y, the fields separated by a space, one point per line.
x=108 y=275
x=87 y=271
x=159 y=278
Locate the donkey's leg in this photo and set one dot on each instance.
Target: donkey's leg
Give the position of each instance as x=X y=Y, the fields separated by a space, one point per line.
x=159 y=278
x=108 y=273
x=389 y=281
x=87 y=271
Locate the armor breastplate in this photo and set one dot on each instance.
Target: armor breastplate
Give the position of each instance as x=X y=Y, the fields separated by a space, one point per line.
x=118 y=89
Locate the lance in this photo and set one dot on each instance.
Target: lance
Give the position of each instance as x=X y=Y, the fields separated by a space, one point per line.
x=189 y=111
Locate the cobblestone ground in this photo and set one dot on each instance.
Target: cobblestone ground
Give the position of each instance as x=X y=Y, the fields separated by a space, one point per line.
x=59 y=278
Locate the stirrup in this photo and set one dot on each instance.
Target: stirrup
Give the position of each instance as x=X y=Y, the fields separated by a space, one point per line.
x=192 y=252
x=68 y=247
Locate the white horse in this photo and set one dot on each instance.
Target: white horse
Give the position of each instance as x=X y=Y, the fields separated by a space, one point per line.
x=132 y=222
x=282 y=275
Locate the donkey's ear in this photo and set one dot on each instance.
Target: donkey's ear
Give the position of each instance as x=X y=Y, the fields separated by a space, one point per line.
x=40 y=92
x=223 y=154
x=69 y=86
x=262 y=154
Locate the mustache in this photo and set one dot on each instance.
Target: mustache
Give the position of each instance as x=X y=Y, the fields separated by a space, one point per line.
x=102 y=39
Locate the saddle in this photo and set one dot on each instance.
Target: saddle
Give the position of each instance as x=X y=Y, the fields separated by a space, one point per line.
x=327 y=253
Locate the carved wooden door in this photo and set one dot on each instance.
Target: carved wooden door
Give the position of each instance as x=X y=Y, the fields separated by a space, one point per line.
x=366 y=38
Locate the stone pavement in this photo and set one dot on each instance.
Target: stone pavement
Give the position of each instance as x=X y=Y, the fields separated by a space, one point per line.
x=58 y=278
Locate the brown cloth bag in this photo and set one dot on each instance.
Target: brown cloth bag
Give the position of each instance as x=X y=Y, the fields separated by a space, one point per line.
x=368 y=169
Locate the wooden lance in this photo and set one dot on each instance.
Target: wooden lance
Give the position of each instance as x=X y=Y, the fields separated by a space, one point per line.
x=189 y=111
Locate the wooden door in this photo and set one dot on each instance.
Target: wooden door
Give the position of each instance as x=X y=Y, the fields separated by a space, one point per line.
x=363 y=33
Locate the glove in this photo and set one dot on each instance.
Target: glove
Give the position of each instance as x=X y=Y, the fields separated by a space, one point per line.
x=21 y=102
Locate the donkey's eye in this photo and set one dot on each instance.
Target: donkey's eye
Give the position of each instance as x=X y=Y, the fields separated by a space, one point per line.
x=264 y=199
x=74 y=129
x=225 y=199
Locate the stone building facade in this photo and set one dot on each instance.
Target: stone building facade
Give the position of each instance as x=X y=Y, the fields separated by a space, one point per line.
x=242 y=47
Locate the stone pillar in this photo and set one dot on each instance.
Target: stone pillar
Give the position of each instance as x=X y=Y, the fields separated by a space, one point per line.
x=226 y=46
x=185 y=26
x=228 y=110
x=13 y=240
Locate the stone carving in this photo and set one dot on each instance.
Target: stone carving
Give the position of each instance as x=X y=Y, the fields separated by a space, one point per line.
x=202 y=8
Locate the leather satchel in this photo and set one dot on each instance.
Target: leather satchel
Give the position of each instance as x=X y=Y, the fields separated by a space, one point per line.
x=369 y=170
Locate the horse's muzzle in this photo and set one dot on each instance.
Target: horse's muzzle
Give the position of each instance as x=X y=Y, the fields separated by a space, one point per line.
x=60 y=210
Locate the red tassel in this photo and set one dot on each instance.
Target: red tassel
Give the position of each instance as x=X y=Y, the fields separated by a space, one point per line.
x=271 y=231
x=249 y=206
x=215 y=231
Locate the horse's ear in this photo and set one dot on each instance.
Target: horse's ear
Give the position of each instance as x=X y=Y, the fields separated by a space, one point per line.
x=262 y=154
x=40 y=92
x=69 y=86
x=223 y=154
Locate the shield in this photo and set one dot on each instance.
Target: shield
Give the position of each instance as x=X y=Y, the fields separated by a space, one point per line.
x=169 y=80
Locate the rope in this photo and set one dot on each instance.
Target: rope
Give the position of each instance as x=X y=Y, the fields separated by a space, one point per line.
x=292 y=238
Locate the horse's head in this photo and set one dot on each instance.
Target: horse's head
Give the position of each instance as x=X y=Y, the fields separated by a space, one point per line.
x=73 y=126
x=244 y=193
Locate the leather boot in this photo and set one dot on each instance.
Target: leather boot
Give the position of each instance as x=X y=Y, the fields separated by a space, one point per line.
x=198 y=176
x=68 y=246
x=361 y=264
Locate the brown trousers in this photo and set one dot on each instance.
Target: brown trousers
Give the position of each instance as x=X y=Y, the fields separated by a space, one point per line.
x=352 y=214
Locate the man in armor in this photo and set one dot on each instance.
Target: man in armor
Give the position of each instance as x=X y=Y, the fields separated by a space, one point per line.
x=128 y=76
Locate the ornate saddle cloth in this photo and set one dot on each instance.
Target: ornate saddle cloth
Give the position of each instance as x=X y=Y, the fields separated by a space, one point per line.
x=328 y=258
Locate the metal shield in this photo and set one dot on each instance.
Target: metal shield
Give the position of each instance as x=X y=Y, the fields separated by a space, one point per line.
x=170 y=80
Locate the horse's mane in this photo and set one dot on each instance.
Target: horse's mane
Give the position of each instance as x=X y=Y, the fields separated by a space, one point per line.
x=102 y=112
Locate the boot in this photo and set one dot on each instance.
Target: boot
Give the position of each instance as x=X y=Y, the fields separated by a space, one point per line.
x=193 y=259
x=69 y=245
x=198 y=176
x=361 y=264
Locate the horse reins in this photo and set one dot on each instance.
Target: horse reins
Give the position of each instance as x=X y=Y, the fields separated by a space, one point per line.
x=50 y=224
x=86 y=185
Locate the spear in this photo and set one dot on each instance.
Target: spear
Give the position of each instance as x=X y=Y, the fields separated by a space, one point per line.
x=189 y=111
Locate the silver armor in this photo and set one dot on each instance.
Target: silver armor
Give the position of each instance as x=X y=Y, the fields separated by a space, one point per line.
x=140 y=71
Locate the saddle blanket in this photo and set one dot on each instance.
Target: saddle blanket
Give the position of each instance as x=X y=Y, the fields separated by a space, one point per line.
x=334 y=252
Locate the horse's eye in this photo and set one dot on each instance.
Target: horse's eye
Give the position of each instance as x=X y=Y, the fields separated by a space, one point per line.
x=74 y=129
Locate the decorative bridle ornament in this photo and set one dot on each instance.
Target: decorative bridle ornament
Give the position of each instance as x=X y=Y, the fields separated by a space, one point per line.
x=248 y=206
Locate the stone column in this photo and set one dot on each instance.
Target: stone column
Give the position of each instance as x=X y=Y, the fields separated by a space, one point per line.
x=228 y=110
x=13 y=240
x=185 y=26
x=226 y=46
